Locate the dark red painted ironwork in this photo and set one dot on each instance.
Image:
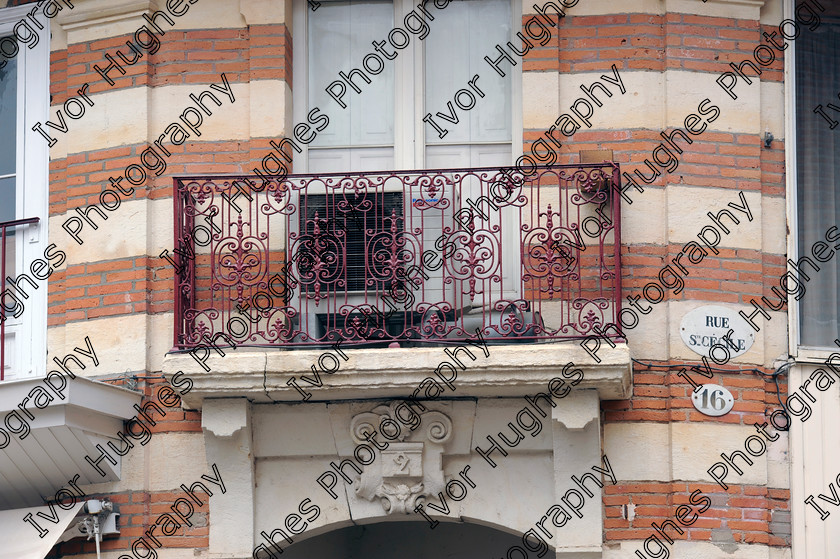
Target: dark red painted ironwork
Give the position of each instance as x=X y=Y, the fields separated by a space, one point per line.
x=407 y=256
x=4 y=226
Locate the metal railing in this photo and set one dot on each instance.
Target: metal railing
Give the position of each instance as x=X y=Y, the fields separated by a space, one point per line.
x=4 y=226
x=397 y=256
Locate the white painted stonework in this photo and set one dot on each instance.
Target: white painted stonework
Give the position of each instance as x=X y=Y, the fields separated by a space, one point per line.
x=274 y=452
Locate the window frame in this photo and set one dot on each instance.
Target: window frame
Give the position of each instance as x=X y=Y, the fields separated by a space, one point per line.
x=409 y=95
x=32 y=191
x=799 y=352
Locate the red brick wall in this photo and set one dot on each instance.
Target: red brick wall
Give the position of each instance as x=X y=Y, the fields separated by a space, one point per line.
x=746 y=510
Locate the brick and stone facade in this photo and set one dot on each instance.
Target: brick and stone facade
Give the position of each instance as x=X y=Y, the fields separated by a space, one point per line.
x=118 y=289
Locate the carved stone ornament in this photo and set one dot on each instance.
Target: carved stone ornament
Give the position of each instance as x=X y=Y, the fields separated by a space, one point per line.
x=411 y=467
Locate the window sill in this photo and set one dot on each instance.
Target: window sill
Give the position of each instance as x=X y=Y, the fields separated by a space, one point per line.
x=815 y=355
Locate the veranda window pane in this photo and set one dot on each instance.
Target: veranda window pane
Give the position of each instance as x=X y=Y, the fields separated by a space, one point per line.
x=8 y=118
x=818 y=178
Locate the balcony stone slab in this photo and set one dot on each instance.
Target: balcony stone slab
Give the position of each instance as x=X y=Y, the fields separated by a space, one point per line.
x=509 y=371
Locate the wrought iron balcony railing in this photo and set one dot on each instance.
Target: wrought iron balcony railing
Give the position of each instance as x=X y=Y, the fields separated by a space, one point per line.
x=397 y=256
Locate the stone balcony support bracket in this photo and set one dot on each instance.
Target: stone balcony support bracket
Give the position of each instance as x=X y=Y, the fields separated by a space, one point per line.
x=228 y=444
x=577 y=447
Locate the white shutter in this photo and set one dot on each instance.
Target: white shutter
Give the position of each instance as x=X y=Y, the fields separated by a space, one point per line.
x=340 y=36
x=472 y=29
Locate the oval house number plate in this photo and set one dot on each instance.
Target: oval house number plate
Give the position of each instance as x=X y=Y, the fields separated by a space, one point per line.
x=713 y=400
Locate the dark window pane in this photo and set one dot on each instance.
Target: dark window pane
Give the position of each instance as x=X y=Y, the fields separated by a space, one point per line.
x=7 y=213
x=818 y=176
x=7 y=199
x=8 y=117
x=344 y=236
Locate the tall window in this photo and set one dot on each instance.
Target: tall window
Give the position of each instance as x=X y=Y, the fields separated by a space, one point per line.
x=24 y=100
x=369 y=55
x=383 y=127
x=817 y=78
x=8 y=155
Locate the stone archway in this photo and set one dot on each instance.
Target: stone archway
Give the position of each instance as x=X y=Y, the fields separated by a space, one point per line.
x=406 y=540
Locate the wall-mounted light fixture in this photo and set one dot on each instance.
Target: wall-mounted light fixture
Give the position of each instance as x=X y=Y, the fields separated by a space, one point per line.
x=96 y=520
